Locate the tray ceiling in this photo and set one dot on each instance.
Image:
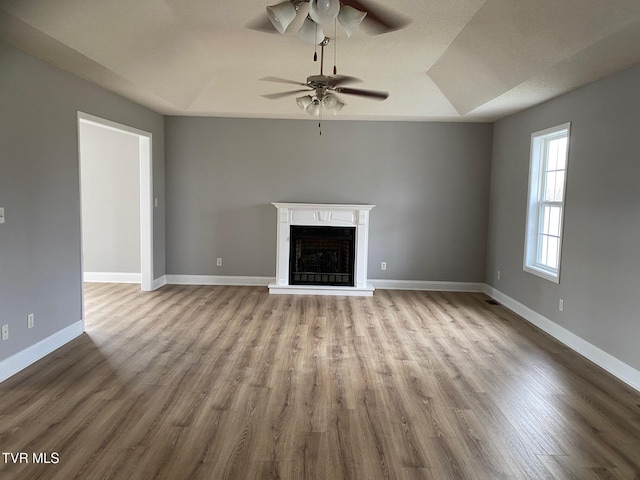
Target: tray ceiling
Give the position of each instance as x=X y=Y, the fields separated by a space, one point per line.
x=458 y=60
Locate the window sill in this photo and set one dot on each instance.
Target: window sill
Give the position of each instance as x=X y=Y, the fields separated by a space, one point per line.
x=543 y=273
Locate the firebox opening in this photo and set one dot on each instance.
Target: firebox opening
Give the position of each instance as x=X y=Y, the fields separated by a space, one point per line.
x=322 y=255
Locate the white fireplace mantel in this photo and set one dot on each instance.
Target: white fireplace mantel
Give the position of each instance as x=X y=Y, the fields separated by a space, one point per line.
x=329 y=215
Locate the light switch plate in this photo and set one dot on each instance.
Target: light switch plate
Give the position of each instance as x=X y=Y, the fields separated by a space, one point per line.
x=1 y=214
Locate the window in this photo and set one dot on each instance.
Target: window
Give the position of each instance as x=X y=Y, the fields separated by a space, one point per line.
x=545 y=212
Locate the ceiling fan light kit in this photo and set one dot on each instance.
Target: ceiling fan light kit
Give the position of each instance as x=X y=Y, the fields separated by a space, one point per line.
x=321 y=12
x=313 y=104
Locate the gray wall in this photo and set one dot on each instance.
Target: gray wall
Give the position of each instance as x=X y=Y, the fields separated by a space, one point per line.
x=110 y=184
x=600 y=271
x=39 y=187
x=429 y=181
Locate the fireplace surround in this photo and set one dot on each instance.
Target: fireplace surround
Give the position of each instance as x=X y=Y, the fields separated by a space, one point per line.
x=331 y=241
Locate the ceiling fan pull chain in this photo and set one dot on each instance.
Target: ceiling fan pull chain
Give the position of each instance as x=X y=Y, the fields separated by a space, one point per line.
x=315 y=47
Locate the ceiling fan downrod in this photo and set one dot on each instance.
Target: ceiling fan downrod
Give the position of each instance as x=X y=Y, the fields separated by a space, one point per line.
x=323 y=44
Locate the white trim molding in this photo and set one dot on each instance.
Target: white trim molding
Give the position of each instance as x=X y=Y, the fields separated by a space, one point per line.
x=608 y=362
x=30 y=355
x=112 y=277
x=159 y=282
x=427 y=285
x=218 y=280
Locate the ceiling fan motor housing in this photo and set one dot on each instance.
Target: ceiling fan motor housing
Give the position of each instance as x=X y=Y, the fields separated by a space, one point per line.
x=318 y=80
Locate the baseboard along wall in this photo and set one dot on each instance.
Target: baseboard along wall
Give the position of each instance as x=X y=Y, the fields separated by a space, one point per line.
x=30 y=355
x=112 y=277
x=608 y=362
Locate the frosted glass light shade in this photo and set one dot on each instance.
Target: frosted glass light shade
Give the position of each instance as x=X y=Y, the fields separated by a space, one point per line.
x=350 y=18
x=311 y=32
x=314 y=109
x=281 y=15
x=324 y=11
x=329 y=101
x=304 y=102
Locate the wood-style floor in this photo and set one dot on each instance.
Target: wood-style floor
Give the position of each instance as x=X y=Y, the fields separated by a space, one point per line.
x=234 y=383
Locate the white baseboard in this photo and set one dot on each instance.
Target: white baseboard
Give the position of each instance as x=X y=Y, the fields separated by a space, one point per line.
x=32 y=354
x=377 y=284
x=611 y=364
x=427 y=285
x=112 y=277
x=159 y=282
x=107 y=277
x=218 y=280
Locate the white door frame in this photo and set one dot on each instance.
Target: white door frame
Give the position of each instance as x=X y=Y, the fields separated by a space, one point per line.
x=146 y=192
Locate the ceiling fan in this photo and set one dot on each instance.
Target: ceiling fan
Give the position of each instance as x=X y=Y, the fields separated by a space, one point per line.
x=321 y=90
x=349 y=13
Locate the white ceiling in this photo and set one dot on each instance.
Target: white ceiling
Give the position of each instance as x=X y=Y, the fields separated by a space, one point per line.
x=458 y=60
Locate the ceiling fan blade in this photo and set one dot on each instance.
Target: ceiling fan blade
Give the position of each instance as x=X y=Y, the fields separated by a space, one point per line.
x=376 y=95
x=342 y=79
x=280 y=80
x=378 y=20
x=275 y=96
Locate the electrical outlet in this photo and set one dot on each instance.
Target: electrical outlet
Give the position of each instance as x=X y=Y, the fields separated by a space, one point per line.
x=383 y=265
x=5 y=332
x=498 y=275
x=561 y=305
x=219 y=262
x=30 y=320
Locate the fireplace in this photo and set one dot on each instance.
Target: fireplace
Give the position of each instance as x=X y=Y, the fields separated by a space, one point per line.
x=322 y=249
x=322 y=255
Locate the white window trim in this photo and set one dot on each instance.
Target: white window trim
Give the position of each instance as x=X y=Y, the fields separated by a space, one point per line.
x=533 y=203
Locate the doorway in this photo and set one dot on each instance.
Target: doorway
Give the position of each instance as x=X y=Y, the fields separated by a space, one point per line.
x=142 y=156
